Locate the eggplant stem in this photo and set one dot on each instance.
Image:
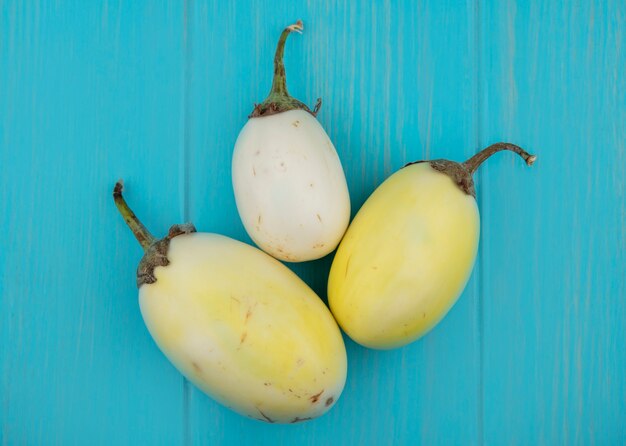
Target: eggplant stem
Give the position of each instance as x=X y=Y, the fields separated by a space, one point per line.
x=279 y=83
x=474 y=162
x=142 y=234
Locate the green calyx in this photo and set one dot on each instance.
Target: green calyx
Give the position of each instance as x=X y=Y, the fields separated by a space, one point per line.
x=155 y=251
x=461 y=173
x=278 y=100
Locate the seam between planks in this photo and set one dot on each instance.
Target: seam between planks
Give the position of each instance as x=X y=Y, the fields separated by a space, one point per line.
x=478 y=58
x=185 y=149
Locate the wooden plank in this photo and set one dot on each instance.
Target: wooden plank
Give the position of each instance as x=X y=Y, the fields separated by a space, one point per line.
x=156 y=93
x=554 y=236
x=89 y=92
x=398 y=84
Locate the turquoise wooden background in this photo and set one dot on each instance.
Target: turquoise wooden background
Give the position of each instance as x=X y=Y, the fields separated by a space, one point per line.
x=156 y=92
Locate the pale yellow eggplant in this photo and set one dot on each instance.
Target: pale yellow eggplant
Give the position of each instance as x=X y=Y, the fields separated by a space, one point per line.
x=238 y=324
x=408 y=254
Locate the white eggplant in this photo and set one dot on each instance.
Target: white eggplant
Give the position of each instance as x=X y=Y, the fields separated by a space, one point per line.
x=289 y=185
x=238 y=324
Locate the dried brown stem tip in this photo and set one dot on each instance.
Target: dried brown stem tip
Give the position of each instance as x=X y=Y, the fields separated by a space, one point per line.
x=297 y=27
x=119 y=187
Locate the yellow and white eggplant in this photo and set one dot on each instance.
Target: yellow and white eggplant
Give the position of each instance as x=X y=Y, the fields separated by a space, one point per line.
x=409 y=252
x=238 y=323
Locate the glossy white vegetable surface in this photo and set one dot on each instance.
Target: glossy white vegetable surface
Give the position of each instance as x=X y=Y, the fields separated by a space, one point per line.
x=290 y=187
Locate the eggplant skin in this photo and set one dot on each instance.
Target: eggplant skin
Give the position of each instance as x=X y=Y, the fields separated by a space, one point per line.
x=245 y=329
x=405 y=259
x=290 y=188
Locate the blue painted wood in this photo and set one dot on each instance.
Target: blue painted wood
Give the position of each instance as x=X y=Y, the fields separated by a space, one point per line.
x=554 y=236
x=156 y=93
x=89 y=93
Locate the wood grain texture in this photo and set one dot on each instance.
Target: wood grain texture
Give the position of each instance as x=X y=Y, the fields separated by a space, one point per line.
x=554 y=236
x=156 y=92
x=90 y=92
